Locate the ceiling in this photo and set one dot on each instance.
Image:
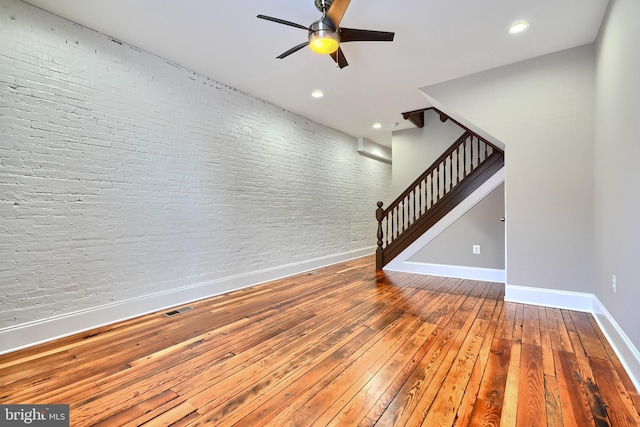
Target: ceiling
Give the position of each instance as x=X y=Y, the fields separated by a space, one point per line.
x=434 y=41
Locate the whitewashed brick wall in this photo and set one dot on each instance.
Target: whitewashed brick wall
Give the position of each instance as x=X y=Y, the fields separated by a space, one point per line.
x=122 y=175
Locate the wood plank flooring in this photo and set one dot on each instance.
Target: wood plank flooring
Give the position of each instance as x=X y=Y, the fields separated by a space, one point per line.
x=340 y=346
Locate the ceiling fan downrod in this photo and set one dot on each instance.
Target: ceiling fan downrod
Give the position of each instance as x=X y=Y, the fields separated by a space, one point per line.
x=323 y=5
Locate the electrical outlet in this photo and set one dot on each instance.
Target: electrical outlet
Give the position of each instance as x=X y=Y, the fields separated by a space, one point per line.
x=613 y=283
x=476 y=249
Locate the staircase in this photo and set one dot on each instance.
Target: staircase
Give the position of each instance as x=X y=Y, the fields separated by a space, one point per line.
x=457 y=173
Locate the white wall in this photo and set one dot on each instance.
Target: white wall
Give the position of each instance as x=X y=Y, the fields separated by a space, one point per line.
x=122 y=176
x=617 y=156
x=542 y=110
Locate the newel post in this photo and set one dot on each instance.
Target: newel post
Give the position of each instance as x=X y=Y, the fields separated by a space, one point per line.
x=379 y=216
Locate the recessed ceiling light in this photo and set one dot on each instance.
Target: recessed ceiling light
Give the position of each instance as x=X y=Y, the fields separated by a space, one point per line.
x=518 y=27
x=377 y=125
x=317 y=93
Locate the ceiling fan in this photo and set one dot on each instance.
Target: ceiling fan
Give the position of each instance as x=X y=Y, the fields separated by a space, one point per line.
x=325 y=34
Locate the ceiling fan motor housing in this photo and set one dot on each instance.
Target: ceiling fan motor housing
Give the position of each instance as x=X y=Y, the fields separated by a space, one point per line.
x=323 y=38
x=321 y=28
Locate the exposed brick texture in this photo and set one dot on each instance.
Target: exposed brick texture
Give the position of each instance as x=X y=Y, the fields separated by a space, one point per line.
x=123 y=175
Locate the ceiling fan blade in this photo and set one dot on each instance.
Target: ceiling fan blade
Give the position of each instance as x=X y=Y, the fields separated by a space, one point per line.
x=283 y=22
x=355 y=35
x=338 y=58
x=293 y=49
x=336 y=11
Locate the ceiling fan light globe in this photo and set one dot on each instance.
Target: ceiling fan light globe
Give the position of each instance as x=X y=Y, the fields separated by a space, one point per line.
x=324 y=42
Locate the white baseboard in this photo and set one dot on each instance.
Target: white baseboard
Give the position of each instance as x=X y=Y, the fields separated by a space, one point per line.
x=622 y=345
x=457 y=271
x=625 y=350
x=577 y=301
x=40 y=331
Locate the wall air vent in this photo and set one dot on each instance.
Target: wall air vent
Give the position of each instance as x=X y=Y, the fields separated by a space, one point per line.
x=177 y=311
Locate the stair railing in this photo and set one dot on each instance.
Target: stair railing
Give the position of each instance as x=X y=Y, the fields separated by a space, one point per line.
x=444 y=176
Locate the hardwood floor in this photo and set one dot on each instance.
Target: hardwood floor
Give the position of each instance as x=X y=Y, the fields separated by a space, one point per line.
x=338 y=346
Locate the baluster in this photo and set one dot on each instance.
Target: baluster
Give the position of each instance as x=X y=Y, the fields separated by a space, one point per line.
x=450 y=170
x=471 y=158
x=408 y=210
x=420 y=199
x=425 y=189
x=397 y=215
x=464 y=158
x=444 y=177
x=443 y=174
x=431 y=190
x=379 y=216
x=386 y=231
x=436 y=192
x=440 y=180
x=462 y=147
x=414 y=204
x=423 y=193
x=426 y=193
x=442 y=171
x=486 y=150
x=457 y=164
x=435 y=186
x=402 y=204
x=405 y=212
x=459 y=157
x=437 y=183
x=470 y=155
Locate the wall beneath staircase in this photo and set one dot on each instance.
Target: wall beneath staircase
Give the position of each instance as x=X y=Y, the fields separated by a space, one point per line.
x=480 y=226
